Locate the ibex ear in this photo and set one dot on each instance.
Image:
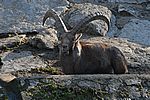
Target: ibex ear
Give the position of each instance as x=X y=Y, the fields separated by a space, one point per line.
x=77 y=37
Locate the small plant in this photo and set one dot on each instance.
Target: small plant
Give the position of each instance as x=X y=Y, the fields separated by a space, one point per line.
x=49 y=70
x=54 y=91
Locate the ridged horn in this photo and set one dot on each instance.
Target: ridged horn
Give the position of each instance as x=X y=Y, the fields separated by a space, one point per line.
x=88 y=19
x=52 y=13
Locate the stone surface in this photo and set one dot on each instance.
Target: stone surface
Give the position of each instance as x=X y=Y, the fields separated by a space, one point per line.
x=25 y=15
x=46 y=39
x=121 y=21
x=148 y=6
x=109 y=1
x=6 y=78
x=79 y=11
x=137 y=31
x=20 y=60
x=113 y=29
x=137 y=11
x=96 y=86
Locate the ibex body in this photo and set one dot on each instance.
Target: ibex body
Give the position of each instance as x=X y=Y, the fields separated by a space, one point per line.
x=94 y=58
x=87 y=58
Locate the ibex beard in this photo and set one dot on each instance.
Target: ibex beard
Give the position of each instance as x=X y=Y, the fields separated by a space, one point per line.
x=78 y=57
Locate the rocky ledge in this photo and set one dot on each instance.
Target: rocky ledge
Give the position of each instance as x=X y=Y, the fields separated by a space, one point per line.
x=79 y=87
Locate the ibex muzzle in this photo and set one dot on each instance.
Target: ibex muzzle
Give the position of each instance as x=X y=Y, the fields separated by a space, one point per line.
x=83 y=57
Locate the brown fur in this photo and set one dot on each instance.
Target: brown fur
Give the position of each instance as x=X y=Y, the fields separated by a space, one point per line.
x=95 y=58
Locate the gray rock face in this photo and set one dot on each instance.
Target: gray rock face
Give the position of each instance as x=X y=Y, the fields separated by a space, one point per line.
x=113 y=29
x=46 y=39
x=137 y=31
x=23 y=60
x=25 y=15
x=109 y=1
x=79 y=11
x=148 y=6
x=107 y=87
x=137 y=11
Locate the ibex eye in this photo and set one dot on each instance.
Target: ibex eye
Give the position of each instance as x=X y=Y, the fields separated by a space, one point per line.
x=65 y=46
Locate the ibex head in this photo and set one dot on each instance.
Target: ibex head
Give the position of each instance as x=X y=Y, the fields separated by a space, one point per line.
x=69 y=38
x=68 y=43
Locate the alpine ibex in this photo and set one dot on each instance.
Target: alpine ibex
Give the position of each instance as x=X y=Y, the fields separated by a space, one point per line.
x=83 y=57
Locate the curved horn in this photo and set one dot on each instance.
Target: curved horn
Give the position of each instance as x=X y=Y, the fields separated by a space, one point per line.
x=52 y=13
x=88 y=19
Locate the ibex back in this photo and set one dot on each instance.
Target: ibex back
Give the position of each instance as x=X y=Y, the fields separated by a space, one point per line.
x=87 y=58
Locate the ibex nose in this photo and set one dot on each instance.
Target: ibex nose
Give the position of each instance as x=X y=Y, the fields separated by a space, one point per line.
x=65 y=49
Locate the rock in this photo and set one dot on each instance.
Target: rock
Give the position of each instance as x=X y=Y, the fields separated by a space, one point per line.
x=148 y=51
x=85 y=83
x=89 y=86
x=10 y=84
x=137 y=31
x=26 y=15
x=148 y=7
x=23 y=60
x=109 y=1
x=137 y=11
x=46 y=39
x=133 y=82
x=121 y=21
x=113 y=29
x=79 y=11
x=6 y=78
